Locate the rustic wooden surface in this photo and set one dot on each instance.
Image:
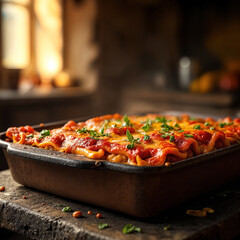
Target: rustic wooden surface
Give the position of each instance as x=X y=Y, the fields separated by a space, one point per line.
x=39 y=216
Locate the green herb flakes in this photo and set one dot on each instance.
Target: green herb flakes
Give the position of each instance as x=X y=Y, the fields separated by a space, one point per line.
x=30 y=136
x=130 y=146
x=129 y=136
x=67 y=209
x=146 y=127
x=176 y=125
x=102 y=130
x=83 y=130
x=106 y=123
x=131 y=140
x=160 y=120
x=94 y=134
x=172 y=137
x=206 y=123
x=188 y=135
x=45 y=133
x=102 y=226
x=129 y=228
x=127 y=122
x=165 y=135
x=197 y=127
x=166 y=128
x=221 y=125
x=146 y=137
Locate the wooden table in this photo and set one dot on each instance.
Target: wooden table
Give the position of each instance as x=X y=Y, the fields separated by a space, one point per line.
x=40 y=216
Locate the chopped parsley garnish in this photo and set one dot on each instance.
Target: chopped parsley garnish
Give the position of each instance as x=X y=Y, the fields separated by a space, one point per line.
x=176 y=125
x=94 y=134
x=44 y=133
x=212 y=128
x=149 y=121
x=197 y=127
x=172 y=137
x=146 y=137
x=129 y=228
x=102 y=226
x=181 y=131
x=188 y=135
x=146 y=127
x=166 y=128
x=160 y=119
x=83 y=130
x=207 y=124
x=221 y=125
x=131 y=140
x=130 y=146
x=164 y=135
x=129 y=136
x=225 y=124
x=30 y=136
x=127 y=122
x=106 y=123
x=67 y=209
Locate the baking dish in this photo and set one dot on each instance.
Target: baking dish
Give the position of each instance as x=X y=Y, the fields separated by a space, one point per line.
x=140 y=191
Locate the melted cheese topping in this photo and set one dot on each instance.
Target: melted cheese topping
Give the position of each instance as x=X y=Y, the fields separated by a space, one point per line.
x=148 y=140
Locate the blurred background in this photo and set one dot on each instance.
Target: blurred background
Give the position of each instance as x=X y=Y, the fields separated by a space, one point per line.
x=67 y=59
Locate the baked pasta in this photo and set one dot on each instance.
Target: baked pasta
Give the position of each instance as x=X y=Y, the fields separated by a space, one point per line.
x=149 y=140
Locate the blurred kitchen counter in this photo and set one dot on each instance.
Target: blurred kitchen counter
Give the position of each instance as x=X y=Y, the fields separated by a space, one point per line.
x=211 y=104
x=43 y=105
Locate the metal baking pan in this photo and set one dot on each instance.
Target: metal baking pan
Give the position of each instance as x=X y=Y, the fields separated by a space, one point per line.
x=139 y=191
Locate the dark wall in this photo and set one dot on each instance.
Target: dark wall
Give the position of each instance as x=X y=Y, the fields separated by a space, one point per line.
x=141 y=43
x=138 y=42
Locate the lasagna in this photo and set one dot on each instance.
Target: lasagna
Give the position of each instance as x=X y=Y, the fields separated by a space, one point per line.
x=149 y=140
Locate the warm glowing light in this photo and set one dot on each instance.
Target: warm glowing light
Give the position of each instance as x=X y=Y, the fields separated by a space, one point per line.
x=48 y=37
x=63 y=80
x=15 y=34
x=51 y=66
x=24 y=2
